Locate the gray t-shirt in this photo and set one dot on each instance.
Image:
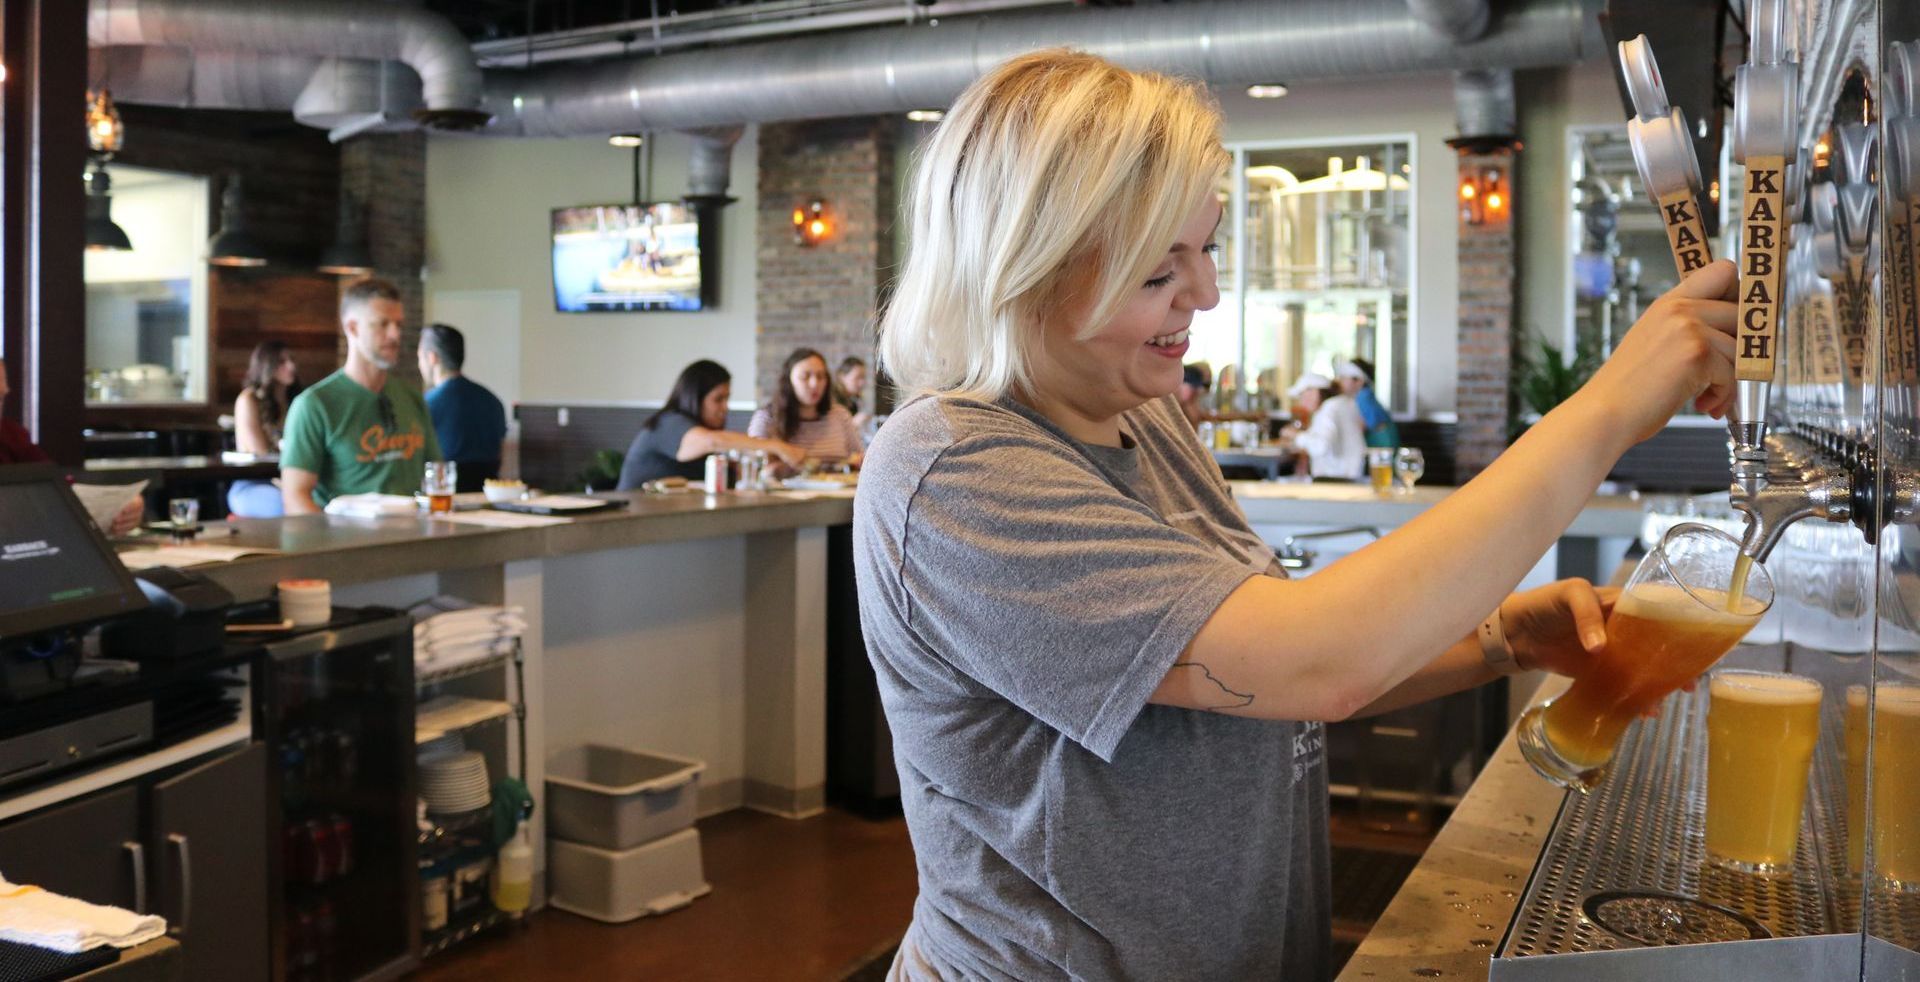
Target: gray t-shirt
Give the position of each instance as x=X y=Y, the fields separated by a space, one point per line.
x=655 y=453
x=1022 y=595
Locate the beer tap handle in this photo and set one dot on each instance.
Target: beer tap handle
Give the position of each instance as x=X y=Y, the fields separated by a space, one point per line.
x=1663 y=154
x=1766 y=111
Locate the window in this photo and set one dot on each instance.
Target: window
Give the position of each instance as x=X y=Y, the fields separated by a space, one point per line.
x=1315 y=268
x=147 y=308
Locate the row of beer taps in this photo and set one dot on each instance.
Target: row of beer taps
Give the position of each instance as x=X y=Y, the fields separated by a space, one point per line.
x=1826 y=306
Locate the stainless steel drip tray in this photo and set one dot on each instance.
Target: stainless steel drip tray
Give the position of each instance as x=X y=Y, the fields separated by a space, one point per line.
x=1623 y=889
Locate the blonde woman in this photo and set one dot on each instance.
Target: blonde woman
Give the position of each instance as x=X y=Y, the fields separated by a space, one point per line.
x=1106 y=700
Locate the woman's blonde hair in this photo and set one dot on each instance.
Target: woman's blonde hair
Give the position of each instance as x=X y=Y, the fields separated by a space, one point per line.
x=1056 y=178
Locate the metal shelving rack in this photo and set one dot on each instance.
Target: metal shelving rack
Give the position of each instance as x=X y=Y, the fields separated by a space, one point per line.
x=455 y=833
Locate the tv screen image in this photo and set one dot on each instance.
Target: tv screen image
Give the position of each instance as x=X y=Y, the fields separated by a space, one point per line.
x=626 y=257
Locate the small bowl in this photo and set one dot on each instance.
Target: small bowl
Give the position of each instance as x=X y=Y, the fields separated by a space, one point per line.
x=500 y=494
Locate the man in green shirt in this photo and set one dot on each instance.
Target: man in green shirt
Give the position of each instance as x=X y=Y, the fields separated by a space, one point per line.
x=358 y=430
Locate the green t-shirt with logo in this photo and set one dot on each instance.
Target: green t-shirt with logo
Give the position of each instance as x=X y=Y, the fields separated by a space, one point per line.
x=358 y=440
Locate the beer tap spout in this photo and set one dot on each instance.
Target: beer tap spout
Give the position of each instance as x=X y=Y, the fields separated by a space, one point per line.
x=1819 y=490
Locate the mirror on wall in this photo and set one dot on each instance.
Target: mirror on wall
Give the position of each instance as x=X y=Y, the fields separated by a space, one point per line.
x=147 y=306
x=1315 y=267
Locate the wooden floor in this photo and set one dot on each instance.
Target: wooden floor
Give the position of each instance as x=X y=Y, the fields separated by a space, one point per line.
x=818 y=898
x=793 y=900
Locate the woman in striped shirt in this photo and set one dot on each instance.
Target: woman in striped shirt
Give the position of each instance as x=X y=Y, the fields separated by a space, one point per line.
x=803 y=413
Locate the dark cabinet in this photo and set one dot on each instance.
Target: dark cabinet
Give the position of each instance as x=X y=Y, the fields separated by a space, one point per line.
x=91 y=849
x=208 y=840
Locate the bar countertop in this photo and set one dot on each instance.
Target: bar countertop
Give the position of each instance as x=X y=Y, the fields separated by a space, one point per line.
x=1447 y=920
x=352 y=550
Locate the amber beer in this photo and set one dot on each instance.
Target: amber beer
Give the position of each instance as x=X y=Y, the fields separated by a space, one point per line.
x=1659 y=637
x=1761 y=731
x=1894 y=824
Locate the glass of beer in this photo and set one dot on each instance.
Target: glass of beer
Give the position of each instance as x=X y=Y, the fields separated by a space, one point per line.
x=1678 y=614
x=1890 y=825
x=1380 y=469
x=1761 y=731
x=438 y=485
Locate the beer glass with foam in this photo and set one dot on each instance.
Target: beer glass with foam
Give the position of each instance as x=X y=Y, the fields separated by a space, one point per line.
x=1675 y=618
x=1891 y=822
x=1761 y=731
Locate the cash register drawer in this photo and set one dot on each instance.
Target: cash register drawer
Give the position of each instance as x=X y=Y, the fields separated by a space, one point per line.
x=34 y=755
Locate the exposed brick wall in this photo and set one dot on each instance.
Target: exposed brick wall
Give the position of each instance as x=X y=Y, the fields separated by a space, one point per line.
x=825 y=296
x=387 y=174
x=1486 y=326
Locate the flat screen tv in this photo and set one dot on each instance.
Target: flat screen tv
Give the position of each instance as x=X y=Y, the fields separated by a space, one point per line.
x=629 y=258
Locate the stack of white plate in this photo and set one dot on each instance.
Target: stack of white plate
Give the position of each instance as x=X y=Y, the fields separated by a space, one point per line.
x=455 y=783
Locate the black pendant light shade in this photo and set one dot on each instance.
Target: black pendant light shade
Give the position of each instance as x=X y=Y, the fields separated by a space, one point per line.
x=348 y=256
x=233 y=245
x=102 y=234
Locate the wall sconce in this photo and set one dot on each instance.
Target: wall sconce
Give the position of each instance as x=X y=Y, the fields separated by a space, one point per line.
x=105 y=132
x=1484 y=195
x=811 y=225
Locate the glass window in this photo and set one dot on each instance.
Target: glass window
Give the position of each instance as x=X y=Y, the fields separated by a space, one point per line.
x=1314 y=269
x=147 y=308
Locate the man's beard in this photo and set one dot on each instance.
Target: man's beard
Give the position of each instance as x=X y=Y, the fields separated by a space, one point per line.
x=383 y=364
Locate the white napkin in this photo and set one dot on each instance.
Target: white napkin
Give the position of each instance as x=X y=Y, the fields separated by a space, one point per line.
x=372 y=505
x=30 y=915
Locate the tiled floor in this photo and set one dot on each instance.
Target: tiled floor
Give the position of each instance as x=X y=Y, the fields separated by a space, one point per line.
x=817 y=899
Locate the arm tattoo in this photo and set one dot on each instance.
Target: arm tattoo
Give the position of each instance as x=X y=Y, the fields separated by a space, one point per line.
x=1236 y=700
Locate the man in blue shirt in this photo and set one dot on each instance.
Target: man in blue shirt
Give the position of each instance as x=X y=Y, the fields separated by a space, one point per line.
x=1356 y=380
x=469 y=420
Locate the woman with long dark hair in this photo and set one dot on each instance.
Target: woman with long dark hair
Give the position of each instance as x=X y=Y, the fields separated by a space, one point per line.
x=258 y=415
x=803 y=412
x=675 y=441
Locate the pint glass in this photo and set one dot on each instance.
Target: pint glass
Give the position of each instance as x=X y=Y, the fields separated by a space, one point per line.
x=1761 y=731
x=1892 y=822
x=1672 y=622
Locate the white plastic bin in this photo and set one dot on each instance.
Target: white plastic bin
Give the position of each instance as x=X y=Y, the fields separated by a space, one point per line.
x=616 y=887
x=614 y=798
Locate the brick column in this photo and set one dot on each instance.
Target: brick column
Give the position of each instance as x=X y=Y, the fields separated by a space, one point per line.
x=822 y=296
x=1486 y=316
x=387 y=175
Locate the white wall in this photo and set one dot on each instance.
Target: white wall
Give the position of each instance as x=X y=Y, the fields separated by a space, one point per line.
x=488 y=204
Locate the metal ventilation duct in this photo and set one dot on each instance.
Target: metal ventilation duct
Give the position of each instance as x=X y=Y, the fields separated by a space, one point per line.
x=351 y=29
x=1223 y=42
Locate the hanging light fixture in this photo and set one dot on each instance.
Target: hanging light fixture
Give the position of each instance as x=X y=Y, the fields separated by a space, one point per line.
x=348 y=256
x=105 y=132
x=233 y=245
x=102 y=234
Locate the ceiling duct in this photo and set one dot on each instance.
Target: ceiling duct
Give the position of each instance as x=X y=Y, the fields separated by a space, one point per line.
x=1222 y=42
x=350 y=96
x=711 y=168
x=1483 y=110
x=351 y=29
x=1462 y=20
x=208 y=80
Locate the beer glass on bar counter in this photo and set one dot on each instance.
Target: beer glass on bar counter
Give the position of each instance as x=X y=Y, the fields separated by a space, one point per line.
x=1761 y=731
x=1675 y=618
x=1895 y=765
x=438 y=484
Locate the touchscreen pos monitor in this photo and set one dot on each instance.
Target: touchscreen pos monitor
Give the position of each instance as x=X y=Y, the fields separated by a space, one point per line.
x=56 y=568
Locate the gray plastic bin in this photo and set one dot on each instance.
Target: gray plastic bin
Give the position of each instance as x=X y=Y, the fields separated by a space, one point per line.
x=614 y=798
x=665 y=874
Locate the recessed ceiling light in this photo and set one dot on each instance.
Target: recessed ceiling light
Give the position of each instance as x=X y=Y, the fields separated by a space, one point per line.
x=1269 y=90
x=926 y=115
x=626 y=139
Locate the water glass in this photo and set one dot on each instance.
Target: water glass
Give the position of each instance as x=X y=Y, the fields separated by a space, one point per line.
x=1409 y=464
x=185 y=512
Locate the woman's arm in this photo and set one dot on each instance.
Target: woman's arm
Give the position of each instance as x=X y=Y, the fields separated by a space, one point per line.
x=249 y=434
x=1330 y=645
x=701 y=441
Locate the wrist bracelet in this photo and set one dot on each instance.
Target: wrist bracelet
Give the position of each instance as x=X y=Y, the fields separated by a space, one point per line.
x=1494 y=647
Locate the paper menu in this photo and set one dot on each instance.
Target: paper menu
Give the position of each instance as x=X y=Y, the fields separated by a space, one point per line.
x=104 y=501
x=185 y=555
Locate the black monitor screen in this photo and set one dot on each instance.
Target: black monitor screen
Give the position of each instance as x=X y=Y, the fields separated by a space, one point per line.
x=55 y=568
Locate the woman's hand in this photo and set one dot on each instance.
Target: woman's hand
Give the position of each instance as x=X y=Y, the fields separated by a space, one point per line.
x=1558 y=627
x=128 y=517
x=789 y=454
x=1680 y=349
